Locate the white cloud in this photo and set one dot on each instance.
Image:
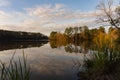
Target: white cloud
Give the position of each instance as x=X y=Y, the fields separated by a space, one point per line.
x=46 y=18
x=4 y=15
x=48 y=11
x=4 y=3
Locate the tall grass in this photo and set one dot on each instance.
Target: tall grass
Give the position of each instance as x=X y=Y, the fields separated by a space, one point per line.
x=15 y=70
x=102 y=66
x=104 y=61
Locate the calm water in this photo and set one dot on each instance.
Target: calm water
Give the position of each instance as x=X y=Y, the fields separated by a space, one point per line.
x=46 y=63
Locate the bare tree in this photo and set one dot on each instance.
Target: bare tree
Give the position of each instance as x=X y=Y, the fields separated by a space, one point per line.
x=110 y=13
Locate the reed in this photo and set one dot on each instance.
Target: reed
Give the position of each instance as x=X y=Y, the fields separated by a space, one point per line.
x=15 y=70
x=102 y=66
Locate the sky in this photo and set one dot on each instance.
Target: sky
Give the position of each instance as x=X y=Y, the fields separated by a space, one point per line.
x=45 y=16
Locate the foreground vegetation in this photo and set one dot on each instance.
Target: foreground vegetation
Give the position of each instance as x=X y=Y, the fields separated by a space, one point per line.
x=15 y=70
x=102 y=66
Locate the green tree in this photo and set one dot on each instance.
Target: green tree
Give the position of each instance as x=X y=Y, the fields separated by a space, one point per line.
x=53 y=35
x=69 y=31
x=110 y=29
x=76 y=30
x=102 y=29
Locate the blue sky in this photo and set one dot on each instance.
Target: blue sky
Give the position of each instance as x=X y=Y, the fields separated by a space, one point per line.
x=46 y=15
x=84 y=5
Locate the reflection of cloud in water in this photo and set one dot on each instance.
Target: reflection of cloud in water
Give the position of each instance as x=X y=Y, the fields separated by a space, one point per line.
x=50 y=64
x=55 y=63
x=52 y=67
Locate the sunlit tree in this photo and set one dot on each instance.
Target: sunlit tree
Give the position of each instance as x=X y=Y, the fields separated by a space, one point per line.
x=53 y=35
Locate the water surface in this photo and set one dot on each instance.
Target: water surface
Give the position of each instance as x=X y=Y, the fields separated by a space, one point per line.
x=46 y=63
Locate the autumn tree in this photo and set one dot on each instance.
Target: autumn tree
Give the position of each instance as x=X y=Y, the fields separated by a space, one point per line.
x=53 y=35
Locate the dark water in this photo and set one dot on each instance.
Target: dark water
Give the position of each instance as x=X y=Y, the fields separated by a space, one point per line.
x=62 y=63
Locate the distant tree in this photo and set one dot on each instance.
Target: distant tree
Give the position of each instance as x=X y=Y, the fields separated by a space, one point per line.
x=80 y=29
x=53 y=35
x=113 y=33
x=109 y=14
x=76 y=30
x=69 y=31
x=94 y=32
x=110 y=29
x=86 y=33
x=102 y=29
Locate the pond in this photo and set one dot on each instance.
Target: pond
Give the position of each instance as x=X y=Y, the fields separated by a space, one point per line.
x=47 y=63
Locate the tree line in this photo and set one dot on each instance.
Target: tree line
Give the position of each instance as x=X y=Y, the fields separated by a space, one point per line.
x=77 y=35
x=21 y=36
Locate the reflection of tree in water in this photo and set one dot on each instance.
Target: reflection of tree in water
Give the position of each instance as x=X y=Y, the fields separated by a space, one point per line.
x=20 y=45
x=97 y=71
x=79 y=47
x=73 y=48
x=53 y=44
x=57 y=43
